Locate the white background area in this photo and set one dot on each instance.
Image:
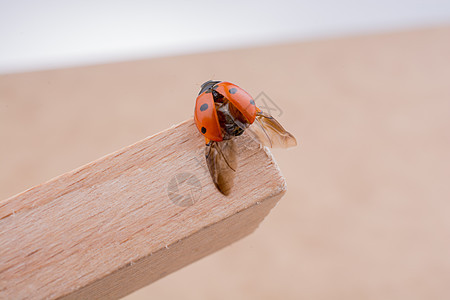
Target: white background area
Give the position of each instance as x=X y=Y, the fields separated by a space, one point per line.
x=49 y=34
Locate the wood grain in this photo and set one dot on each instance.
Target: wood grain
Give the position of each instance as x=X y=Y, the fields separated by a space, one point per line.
x=126 y=220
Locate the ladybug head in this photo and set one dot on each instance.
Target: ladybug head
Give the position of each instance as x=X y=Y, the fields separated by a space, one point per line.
x=208 y=85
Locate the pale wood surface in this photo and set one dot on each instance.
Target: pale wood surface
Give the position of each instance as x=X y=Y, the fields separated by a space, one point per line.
x=365 y=215
x=111 y=227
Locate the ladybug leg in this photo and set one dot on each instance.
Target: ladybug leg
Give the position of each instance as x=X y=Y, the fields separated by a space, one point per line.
x=209 y=145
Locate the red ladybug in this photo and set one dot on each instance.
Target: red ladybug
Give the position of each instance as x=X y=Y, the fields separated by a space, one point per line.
x=223 y=110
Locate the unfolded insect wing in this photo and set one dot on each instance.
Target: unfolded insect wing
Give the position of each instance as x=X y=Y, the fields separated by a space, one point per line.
x=269 y=132
x=222 y=164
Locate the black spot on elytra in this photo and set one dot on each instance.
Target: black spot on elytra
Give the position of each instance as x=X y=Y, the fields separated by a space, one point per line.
x=233 y=90
x=252 y=102
x=204 y=107
x=203 y=130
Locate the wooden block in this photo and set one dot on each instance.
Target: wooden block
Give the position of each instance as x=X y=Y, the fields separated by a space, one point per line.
x=130 y=218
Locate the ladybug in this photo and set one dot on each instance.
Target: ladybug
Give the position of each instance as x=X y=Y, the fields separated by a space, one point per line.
x=223 y=111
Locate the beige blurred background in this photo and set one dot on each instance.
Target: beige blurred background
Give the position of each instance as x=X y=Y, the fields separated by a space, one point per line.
x=366 y=215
